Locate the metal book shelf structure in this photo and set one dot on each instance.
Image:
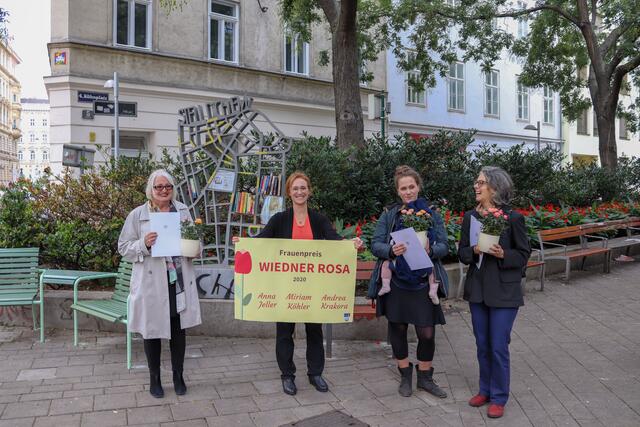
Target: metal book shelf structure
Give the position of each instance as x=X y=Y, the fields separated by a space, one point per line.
x=233 y=159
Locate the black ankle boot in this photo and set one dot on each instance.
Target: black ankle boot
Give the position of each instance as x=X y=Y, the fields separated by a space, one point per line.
x=178 y=383
x=426 y=382
x=406 y=376
x=155 y=386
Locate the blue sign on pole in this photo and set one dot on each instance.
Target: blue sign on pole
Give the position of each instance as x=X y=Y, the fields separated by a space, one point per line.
x=85 y=96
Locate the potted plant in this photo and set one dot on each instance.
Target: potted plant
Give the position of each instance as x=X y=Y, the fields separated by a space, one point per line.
x=420 y=221
x=494 y=222
x=192 y=234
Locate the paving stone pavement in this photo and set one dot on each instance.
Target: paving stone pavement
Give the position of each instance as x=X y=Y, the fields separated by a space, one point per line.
x=575 y=362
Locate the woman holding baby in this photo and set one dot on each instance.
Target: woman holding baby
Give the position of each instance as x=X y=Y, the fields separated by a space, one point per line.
x=406 y=296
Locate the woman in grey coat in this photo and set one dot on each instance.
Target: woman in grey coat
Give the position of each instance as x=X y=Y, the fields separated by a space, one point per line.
x=153 y=308
x=408 y=301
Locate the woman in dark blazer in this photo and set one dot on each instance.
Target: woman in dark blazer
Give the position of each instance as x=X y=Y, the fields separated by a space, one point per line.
x=300 y=222
x=492 y=287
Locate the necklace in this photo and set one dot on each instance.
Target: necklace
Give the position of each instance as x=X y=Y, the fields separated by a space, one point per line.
x=301 y=221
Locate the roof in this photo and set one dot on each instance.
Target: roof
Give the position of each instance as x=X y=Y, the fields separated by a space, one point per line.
x=33 y=101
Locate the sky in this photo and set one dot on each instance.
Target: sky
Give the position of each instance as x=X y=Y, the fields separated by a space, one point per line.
x=30 y=26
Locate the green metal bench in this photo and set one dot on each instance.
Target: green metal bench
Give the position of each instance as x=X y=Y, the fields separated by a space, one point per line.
x=114 y=309
x=19 y=281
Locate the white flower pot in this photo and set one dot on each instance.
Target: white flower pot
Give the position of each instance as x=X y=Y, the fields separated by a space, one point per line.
x=485 y=241
x=190 y=248
x=422 y=236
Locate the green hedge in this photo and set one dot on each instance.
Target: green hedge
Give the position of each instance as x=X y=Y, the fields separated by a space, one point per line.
x=356 y=184
x=76 y=222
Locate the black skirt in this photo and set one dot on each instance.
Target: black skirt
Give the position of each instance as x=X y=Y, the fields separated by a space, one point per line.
x=412 y=307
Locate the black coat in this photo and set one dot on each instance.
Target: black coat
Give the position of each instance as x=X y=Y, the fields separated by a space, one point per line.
x=497 y=282
x=280 y=226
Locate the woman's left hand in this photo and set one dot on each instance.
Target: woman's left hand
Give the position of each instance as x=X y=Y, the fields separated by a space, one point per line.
x=358 y=243
x=496 y=251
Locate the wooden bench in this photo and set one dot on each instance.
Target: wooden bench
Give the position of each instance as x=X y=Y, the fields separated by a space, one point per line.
x=114 y=309
x=584 y=233
x=630 y=225
x=19 y=281
x=540 y=265
x=360 y=311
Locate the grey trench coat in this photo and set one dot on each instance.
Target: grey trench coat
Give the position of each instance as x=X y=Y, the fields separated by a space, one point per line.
x=149 y=290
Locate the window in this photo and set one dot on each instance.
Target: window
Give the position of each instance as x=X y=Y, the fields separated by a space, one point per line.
x=132 y=144
x=414 y=96
x=624 y=87
x=44 y=122
x=624 y=132
x=523 y=101
x=595 y=123
x=455 y=87
x=583 y=73
x=133 y=23
x=44 y=138
x=547 y=95
x=491 y=93
x=32 y=137
x=296 y=53
x=223 y=31
x=523 y=22
x=20 y=155
x=32 y=155
x=45 y=155
x=32 y=121
x=582 y=123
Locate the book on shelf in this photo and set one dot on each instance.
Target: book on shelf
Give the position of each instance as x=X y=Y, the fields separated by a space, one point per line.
x=270 y=185
x=243 y=203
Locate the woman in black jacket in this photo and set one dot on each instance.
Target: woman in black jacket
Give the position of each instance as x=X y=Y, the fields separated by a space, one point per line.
x=492 y=286
x=300 y=222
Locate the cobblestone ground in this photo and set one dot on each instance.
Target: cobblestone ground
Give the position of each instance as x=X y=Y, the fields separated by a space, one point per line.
x=575 y=362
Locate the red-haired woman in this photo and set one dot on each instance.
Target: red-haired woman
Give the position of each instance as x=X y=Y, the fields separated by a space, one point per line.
x=300 y=222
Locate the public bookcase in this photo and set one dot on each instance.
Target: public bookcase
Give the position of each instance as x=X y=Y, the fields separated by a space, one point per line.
x=233 y=159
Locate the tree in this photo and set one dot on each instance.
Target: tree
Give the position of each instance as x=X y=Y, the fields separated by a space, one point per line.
x=565 y=36
x=342 y=17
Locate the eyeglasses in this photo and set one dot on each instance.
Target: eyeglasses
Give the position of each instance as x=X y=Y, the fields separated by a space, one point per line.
x=159 y=188
x=479 y=183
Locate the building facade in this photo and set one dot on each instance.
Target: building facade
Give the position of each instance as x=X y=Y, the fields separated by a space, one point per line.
x=581 y=136
x=209 y=50
x=10 y=112
x=494 y=103
x=33 y=146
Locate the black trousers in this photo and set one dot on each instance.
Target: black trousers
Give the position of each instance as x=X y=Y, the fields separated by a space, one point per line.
x=177 y=344
x=284 y=349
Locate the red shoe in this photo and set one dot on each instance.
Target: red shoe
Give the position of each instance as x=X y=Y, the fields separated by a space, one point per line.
x=478 y=400
x=495 y=410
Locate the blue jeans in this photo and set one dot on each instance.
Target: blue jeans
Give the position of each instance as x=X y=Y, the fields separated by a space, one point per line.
x=492 y=329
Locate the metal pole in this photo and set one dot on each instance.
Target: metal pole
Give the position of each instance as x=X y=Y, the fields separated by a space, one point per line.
x=538 y=129
x=382 y=114
x=116 y=136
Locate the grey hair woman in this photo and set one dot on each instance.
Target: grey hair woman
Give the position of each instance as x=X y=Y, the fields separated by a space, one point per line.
x=492 y=285
x=499 y=183
x=163 y=298
x=151 y=183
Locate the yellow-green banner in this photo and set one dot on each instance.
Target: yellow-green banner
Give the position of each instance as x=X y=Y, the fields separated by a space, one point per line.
x=283 y=280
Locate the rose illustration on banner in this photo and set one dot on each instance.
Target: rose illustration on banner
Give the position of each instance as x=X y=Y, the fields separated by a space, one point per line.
x=243 y=266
